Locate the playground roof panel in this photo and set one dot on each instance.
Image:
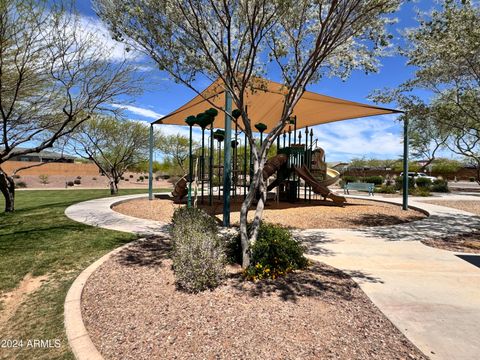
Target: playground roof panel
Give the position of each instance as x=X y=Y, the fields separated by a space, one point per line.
x=265 y=104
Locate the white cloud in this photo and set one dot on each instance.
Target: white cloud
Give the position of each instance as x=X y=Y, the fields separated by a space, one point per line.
x=378 y=137
x=148 y=113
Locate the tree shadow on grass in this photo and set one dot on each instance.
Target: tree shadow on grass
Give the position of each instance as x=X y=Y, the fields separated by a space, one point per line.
x=319 y=281
x=148 y=252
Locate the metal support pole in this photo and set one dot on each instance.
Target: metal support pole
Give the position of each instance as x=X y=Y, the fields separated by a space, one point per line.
x=210 y=169
x=150 y=164
x=227 y=160
x=405 y=165
x=190 y=170
x=202 y=163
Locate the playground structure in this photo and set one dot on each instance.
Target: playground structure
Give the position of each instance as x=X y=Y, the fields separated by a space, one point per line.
x=298 y=170
x=303 y=172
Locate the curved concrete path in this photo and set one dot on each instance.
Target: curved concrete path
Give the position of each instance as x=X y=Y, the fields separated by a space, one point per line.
x=431 y=295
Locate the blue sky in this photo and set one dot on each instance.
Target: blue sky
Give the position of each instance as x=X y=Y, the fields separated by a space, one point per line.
x=374 y=137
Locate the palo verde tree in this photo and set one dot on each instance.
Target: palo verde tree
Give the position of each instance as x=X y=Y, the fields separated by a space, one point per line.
x=445 y=51
x=114 y=145
x=53 y=76
x=236 y=41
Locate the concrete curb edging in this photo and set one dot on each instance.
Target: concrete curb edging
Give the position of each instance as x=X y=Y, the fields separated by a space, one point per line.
x=77 y=334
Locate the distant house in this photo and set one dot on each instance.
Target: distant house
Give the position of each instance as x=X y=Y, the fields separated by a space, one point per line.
x=43 y=156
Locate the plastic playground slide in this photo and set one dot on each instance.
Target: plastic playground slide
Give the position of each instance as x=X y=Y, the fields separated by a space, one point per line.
x=317 y=186
x=332 y=177
x=180 y=189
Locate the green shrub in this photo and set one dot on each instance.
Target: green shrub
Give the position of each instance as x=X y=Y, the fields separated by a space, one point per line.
x=385 y=189
x=197 y=252
x=77 y=181
x=131 y=176
x=423 y=182
x=348 y=179
x=274 y=254
x=141 y=178
x=419 y=191
x=399 y=182
x=471 y=179
x=440 y=186
x=70 y=183
x=79 y=177
x=377 y=180
x=20 y=185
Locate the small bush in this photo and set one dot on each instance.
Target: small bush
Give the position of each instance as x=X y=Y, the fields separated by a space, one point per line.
x=423 y=182
x=385 y=189
x=127 y=179
x=146 y=176
x=43 y=179
x=471 y=179
x=20 y=185
x=166 y=177
x=348 y=179
x=399 y=182
x=141 y=178
x=274 y=254
x=158 y=177
x=122 y=178
x=79 y=178
x=197 y=252
x=419 y=191
x=70 y=183
x=377 y=180
x=440 y=186
x=131 y=176
x=77 y=181
x=94 y=178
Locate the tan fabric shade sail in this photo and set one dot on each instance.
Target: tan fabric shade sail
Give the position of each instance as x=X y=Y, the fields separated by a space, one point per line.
x=265 y=105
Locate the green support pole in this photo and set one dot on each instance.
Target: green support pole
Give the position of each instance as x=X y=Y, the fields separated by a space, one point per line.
x=150 y=164
x=210 y=170
x=227 y=160
x=405 y=165
x=190 y=170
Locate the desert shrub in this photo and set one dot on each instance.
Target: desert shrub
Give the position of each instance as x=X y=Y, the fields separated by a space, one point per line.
x=471 y=179
x=79 y=177
x=131 y=176
x=348 y=179
x=157 y=178
x=197 y=252
x=399 y=182
x=77 y=181
x=94 y=178
x=377 y=180
x=440 y=186
x=385 y=189
x=166 y=177
x=141 y=178
x=122 y=178
x=275 y=253
x=146 y=176
x=423 y=182
x=43 y=179
x=127 y=179
x=20 y=185
x=70 y=183
x=419 y=191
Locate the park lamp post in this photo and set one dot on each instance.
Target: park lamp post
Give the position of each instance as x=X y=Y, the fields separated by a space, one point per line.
x=191 y=120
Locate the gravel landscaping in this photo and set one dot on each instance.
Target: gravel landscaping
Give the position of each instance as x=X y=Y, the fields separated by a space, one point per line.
x=132 y=310
x=356 y=213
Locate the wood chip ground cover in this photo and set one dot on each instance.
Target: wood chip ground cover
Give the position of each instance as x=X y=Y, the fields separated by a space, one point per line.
x=132 y=310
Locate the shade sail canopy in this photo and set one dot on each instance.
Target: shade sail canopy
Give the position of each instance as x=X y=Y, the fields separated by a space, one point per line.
x=265 y=105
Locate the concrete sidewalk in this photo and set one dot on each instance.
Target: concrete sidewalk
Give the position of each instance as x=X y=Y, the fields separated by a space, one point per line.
x=431 y=295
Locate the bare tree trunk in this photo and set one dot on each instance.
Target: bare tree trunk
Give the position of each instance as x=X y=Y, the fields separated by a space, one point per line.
x=113 y=187
x=7 y=187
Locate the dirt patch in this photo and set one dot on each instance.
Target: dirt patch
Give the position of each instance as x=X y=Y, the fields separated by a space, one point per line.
x=467 y=243
x=472 y=206
x=132 y=309
x=302 y=215
x=13 y=299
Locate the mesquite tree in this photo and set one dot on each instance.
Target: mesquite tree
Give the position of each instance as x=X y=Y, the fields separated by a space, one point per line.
x=114 y=145
x=237 y=40
x=54 y=74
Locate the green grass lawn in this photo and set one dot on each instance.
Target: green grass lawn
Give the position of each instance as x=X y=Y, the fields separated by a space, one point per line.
x=38 y=239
